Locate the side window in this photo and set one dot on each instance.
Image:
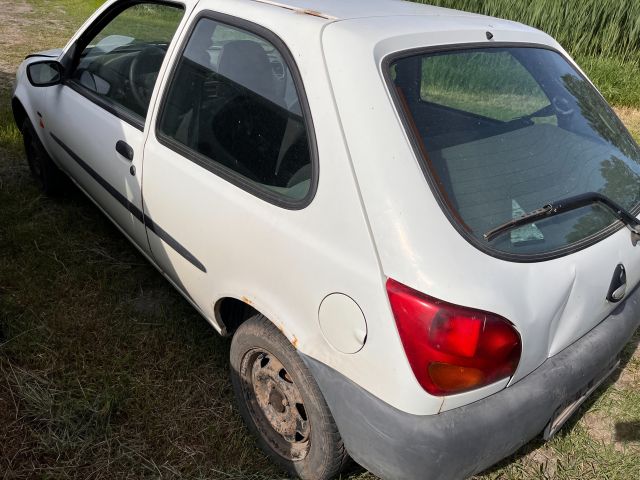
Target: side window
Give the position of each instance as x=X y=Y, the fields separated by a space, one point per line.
x=494 y=85
x=121 y=63
x=234 y=104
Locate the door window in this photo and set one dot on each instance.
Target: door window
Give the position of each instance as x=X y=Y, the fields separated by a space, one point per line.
x=120 y=64
x=234 y=108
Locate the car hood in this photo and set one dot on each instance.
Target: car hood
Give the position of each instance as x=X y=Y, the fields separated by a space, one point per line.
x=52 y=53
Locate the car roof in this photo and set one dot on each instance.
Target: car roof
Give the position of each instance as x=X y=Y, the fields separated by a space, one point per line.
x=344 y=12
x=377 y=20
x=351 y=9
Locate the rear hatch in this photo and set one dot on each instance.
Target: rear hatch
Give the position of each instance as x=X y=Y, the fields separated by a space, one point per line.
x=474 y=135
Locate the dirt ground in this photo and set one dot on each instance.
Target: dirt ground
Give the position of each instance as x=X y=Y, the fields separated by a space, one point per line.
x=16 y=20
x=14 y=17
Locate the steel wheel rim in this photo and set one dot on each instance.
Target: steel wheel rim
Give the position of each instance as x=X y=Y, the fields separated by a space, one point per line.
x=275 y=404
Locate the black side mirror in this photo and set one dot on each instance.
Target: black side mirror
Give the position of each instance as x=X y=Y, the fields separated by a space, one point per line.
x=45 y=73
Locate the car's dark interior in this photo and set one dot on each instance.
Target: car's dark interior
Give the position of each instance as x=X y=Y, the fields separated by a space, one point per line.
x=124 y=76
x=489 y=171
x=231 y=100
x=235 y=115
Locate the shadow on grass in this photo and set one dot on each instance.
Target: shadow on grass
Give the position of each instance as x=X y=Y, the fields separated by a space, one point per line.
x=626 y=431
x=105 y=371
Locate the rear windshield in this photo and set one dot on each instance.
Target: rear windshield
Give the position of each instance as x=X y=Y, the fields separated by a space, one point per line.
x=504 y=131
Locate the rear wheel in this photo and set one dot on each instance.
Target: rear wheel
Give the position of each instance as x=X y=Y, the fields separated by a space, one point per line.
x=282 y=404
x=49 y=178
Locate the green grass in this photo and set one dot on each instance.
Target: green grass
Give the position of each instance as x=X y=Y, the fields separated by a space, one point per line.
x=618 y=80
x=587 y=27
x=107 y=373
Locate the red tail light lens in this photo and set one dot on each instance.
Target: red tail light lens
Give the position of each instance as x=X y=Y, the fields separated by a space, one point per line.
x=452 y=349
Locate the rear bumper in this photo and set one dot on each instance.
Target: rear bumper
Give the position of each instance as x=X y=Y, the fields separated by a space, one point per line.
x=461 y=442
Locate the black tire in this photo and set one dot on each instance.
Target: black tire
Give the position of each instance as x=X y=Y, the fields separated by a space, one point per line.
x=266 y=371
x=49 y=178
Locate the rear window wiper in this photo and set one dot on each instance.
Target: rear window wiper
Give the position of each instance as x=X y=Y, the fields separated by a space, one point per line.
x=567 y=205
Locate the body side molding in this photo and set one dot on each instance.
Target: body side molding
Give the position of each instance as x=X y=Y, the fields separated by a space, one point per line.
x=135 y=211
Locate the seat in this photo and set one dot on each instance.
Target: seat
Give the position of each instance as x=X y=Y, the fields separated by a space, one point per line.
x=248 y=126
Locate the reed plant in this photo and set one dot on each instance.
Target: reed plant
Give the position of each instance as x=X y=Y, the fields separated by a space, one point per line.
x=587 y=28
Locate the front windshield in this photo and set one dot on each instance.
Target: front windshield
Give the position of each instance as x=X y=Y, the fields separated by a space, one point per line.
x=503 y=131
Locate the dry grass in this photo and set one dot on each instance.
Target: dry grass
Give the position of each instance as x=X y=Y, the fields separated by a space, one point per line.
x=106 y=373
x=631 y=118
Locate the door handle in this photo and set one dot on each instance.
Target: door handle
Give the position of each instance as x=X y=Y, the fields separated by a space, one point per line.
x=124 y=149
x=618 y=288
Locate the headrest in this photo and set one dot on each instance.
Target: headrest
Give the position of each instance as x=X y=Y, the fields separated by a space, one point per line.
x=246 y=63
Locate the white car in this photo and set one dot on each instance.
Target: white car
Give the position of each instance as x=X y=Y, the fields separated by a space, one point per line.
x=419 y=225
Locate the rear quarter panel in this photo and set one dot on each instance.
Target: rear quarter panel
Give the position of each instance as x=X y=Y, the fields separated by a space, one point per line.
x=552 y=303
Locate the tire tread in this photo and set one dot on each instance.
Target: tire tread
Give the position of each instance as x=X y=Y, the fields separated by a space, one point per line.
x=336 y=458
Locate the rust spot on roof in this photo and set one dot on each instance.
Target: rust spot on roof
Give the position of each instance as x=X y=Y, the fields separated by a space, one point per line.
x=294 y=342
x=313 y=13
x=302 y=11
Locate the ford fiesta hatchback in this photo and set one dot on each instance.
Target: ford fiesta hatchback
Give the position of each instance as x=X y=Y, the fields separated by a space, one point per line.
x=418 y=225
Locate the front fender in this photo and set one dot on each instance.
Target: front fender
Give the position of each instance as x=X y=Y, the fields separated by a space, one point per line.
x=21 y=74
x=27 y=101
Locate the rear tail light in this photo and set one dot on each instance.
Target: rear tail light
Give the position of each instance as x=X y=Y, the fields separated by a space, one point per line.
x=452 y=349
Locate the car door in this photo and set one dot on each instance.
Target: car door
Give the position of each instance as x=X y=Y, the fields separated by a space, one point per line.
x=96 y=118
x=231 y=153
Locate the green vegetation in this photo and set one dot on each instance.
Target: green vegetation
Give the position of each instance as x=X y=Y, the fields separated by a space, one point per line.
x=587 y=27
x=602 y=35
x=618 y=80
x=107 y=373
